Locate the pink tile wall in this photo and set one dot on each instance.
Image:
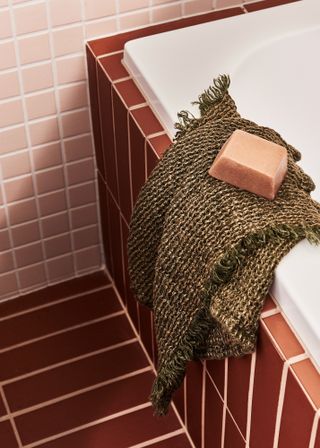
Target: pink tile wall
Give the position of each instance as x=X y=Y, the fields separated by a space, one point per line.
x=49 y=222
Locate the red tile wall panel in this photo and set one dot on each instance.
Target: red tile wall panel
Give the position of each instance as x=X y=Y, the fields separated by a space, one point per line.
x=194 y=379
x=296 y=421
x=213 y=410
x=109 y=169
x=266 y=390
x=120 y=117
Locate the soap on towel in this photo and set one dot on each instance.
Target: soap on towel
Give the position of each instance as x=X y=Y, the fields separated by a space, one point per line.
x=251 y=163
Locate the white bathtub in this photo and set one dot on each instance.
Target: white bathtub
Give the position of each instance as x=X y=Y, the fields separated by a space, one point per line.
x=273 y=57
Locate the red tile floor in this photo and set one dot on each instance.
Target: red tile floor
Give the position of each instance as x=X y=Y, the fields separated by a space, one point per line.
x=74 y=374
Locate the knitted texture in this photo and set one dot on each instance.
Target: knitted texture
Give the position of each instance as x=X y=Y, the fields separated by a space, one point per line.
x=202 y=253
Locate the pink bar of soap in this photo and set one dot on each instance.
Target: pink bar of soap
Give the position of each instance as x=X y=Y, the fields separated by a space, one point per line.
x=251 y=163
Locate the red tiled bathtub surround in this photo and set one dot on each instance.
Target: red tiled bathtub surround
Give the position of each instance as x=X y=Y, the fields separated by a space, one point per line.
x=248 y=398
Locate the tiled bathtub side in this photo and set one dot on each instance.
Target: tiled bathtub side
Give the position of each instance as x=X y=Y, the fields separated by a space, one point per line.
x=268 y=399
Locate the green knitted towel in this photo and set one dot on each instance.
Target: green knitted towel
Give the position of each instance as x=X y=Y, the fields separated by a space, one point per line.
x=202 y=253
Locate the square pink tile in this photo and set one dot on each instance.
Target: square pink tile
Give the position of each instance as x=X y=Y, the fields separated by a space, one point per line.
x=84 y=216
x=3 y=219
x=29 y=254
x=20 y=188
x=4 y=240
x=227 y=3
x=32 y=276
x=52 y=203
x=61 y=267
x=50 y=180
x=78 y=148
x=27 y=47
x=31 y=18
x=44 y=131
x=22 y=211
x=134 y=20
x=73 y=97
x=56 y=224
x=7 y=55
x=81 y=171
x=25 y=233
x=165 y=13
x=15 y=165
x=74 y=123
x=68 y=40
x=5 y=24
x=60 y=15
x=11 y=113
x=197 y=6
x=37 y=78
x=129 y=5
x=6 y=262
x=9 y=85
x=101 y=28
x=8 y=284
x=88 y=258
x=82 y=194
x=71 y=69
x=47 y=156
x=86 y=237
x=58 y=245
x=94 y=9
x=40 y=105
x=13 y=139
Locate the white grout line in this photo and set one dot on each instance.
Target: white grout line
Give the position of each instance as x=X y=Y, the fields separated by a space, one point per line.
x=250 y=397
x=88 y=425
x=203 y=407
x=78 y=392
x=69 y=361
x=64 y=330
x=314 y=430
x=225 y=397
x=13 y=423
x=280 y=404
x=151 y=442
x=54 y=302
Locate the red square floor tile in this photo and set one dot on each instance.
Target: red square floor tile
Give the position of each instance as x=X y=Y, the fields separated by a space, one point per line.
x=179 y=400
x=84 y=408
x=113 y=66
x=297 y=416
x=75 y=376
x=58 y=317
x=64 y=346
x=121 y=432
x=213 y=416
x=7 y=437
x=147 y=121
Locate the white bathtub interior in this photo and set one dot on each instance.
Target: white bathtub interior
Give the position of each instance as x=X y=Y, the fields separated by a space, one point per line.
x=272 y=58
